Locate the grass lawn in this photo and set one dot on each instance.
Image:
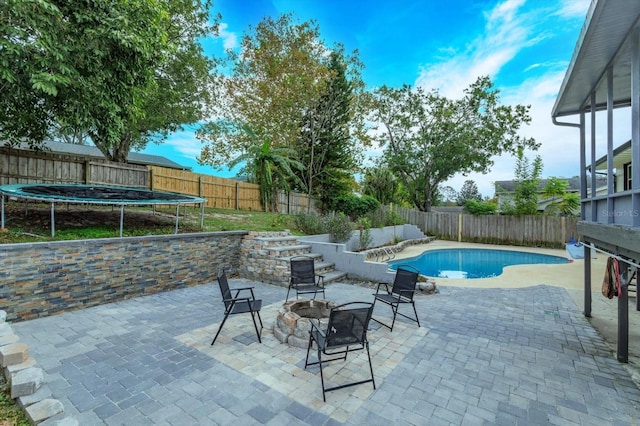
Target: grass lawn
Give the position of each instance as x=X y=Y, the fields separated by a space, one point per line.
x=26 y=223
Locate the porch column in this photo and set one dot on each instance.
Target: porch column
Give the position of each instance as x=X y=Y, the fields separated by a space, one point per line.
x=635 y=125
x=610 y=178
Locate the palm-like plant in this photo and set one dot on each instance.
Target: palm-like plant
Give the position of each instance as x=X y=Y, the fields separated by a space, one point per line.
x=268 y=166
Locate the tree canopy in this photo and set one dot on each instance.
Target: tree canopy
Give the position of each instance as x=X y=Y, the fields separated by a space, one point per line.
x=469 y=191
x=428 y=138
x=291 y=88
x=121 y=72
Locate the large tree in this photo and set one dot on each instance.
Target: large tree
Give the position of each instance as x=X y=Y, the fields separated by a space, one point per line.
x=274 y=76
x=121 y=72
x=429 y=138
x=290 y=88
x=326 y=146
x=469 y=191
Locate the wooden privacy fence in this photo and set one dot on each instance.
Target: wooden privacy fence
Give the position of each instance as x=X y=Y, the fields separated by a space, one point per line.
x=21 y=166
x=25 y=166
x=549 y=231
x=222 y=193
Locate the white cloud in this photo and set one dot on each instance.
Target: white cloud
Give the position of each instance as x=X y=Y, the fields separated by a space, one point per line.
x=185 y=143
x=229 y=39
x=506 y=33
x=573 y=8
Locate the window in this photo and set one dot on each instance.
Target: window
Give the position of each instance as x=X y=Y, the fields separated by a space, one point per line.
x=627 y=176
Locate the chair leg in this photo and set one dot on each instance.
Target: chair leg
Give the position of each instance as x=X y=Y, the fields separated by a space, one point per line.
x=324 y=398
x=220 y=328
x=287 y=298
x=370 y=366
x=395 y=313
x=306 y=361
x=415 y=312
x=259 y=319
x=253 y=317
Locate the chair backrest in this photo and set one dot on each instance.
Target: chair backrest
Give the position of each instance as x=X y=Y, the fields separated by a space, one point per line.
x=405 y=280
x=348 y=324
x=302 y=270
x=224 y=288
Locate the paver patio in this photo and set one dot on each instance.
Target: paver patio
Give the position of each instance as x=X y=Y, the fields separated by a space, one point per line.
x=483 y=356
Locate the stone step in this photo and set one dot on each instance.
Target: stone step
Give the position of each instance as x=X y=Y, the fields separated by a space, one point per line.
x=286 y=259
x=278 y=241
x=288 y=251
x=333 y=276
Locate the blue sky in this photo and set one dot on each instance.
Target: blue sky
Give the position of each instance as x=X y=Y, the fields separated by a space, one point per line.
x=524 y=46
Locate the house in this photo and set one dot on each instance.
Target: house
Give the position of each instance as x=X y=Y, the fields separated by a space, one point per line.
x=621 y=167
x=91 y=151
x=505 y=190
x=604 y=74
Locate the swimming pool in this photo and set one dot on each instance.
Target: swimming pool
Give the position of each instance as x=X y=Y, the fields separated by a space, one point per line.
x=472 y=263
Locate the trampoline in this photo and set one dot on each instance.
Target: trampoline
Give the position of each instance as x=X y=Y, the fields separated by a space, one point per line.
x=97 y=194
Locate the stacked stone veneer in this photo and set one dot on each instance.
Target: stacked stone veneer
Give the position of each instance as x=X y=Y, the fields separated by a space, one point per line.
x=39 y=279
x=264 y=256
x=27 y=380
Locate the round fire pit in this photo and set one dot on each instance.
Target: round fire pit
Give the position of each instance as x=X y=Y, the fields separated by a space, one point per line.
x=292 y=325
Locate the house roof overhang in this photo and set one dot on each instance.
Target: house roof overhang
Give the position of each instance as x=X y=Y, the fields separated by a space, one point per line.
x=603 y=42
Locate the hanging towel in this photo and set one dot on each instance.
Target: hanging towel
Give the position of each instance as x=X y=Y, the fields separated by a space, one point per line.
x=611 y=282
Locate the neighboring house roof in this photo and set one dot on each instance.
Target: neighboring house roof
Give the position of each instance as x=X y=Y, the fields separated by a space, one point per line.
x=94 y=152
x=621 y=156
x=507 y=186
x=603 y=44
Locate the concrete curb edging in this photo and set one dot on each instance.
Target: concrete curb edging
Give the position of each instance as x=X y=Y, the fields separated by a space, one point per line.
x=27 y=380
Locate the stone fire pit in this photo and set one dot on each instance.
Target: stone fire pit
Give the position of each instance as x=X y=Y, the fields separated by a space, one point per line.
x=292 y=325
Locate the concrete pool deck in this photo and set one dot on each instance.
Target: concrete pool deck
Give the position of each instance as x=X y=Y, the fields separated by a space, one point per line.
x=570 y=276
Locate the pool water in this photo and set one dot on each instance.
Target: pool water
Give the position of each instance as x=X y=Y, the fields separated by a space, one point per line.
x=472 y=263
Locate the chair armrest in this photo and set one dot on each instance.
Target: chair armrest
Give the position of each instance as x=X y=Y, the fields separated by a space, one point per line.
x=239 y=299
x=321 y=280
x=386 y=287
x=238 y=290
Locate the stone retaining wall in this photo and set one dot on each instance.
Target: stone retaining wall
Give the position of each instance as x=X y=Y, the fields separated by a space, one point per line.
x=39 y=279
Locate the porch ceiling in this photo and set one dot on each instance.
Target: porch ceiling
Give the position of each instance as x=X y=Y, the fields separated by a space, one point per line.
x=604 y=40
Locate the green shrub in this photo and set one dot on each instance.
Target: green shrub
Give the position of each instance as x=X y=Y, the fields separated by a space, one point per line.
x=338 y=226
x=309 y=223
x=365 y=237
x=479 y=207
x=354 y=206
x=380 y=218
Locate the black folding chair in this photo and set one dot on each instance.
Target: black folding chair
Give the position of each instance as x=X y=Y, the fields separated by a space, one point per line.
x=346 y=332
x=303 y=277
x=402 y=292
x=238 y=305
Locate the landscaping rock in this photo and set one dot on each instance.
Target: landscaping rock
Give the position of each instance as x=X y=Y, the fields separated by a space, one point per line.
x=14 y=353
x=40 y=411
x=43 y=393
x=8 y=339
x=12 y=369
x=5 y=329
x=26 y=382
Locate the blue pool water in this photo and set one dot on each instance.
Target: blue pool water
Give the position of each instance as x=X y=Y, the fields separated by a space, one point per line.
x=472 y=263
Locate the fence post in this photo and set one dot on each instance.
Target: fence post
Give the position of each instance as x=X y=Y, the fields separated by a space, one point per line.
x=237 y=202
x=199 y=186
x=459 y=227
x=87 y=172
x=151 y=182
